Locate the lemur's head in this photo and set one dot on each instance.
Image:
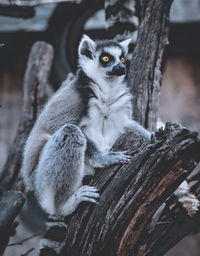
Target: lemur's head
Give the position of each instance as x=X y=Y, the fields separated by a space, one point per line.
x=106 y=58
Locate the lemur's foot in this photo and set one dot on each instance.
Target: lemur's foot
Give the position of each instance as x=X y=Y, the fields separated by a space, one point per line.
x=119 y=157
x=84 y=193
x=87 y=193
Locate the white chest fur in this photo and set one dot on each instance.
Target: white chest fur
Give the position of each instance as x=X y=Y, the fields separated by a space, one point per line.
x=108 y=114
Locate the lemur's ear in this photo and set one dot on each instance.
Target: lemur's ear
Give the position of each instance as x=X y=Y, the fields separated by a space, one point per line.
x=86 y=47
x=125 y=45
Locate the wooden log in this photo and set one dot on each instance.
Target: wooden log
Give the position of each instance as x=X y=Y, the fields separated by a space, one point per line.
x=172 y=226
x=32 y=3
x=144 y=81
x=34 y=97
x=145 y=70
x=130 y=194
x=11 y=203
x=122 y=21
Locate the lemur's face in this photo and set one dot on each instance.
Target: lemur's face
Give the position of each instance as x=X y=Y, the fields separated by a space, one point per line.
x=105 y=58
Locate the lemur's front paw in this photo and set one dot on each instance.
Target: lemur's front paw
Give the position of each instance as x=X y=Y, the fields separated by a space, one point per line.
x=87 y=193
x=110 y=158
x=119 y=157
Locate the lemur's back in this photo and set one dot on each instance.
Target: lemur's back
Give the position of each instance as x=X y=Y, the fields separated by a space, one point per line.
x=64 y=107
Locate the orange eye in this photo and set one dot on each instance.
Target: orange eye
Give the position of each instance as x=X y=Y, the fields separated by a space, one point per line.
x=122 y=60
x=105 y=58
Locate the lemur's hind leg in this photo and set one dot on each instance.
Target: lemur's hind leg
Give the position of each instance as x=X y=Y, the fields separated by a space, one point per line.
x=60 y=172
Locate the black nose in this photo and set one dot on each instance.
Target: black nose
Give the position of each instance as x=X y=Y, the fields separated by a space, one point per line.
x=118 y=70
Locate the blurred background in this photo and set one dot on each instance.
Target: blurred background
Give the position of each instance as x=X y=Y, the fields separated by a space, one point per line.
x=62 y=25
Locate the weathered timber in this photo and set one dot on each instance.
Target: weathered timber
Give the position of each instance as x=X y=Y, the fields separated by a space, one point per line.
x=172 y=226
x=122 y=21
x=11 y=203
x=34 y=97
x=31 y=3
x=145 y=76
x=130 y=194
x=174 y=223
x=144 y=80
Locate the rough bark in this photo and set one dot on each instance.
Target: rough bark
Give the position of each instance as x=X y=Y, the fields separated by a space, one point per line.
x=35 y=94
x=32 y=3
x=173 y=223
x=121 y=18
x=34 y=97
x=145 y=76
x=130 y=194
x=10 y=204
x=172 y=226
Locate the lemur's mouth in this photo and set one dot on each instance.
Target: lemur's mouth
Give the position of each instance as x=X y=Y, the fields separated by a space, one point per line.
x=117 y=70
x=116 y=73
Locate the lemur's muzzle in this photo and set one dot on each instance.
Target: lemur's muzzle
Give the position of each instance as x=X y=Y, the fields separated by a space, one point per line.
x=118 y=70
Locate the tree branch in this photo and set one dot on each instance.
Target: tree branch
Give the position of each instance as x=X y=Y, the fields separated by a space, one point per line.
x=34 y=97
x=121 y=18
x=131 y=194
x=10 y=204
x=31 y=3
x=145 y=76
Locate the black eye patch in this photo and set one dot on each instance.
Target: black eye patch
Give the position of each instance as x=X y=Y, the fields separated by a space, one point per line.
x=105 y=54
x=122 y=57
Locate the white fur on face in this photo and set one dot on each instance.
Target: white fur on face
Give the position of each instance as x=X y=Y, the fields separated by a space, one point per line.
x=116 y=52
x=94 y=69
x=86 y=42
x=125 y=45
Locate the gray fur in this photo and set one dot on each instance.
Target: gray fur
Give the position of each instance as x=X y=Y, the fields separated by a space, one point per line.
x=76 y=129
x=64 y=154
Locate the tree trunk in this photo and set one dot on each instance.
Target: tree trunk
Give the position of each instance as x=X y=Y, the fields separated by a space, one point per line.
x=145 y=70
x=121 y=18
x=131 y=194
x=11 y=203
x=31 y=3
x=34 y=97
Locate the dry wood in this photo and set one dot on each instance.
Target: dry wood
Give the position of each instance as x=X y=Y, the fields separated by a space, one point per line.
x=32 y=3
x=130 y=194
x=11 y=203
x=145 y=75
x=122 y=21
x=172 y=226
x=34 y=97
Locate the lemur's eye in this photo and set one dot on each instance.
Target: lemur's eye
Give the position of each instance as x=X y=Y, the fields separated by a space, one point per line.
x=122 y=60
x=105 y=58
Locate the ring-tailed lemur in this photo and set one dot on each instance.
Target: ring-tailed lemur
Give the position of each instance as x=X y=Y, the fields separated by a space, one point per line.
x=77 y=128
